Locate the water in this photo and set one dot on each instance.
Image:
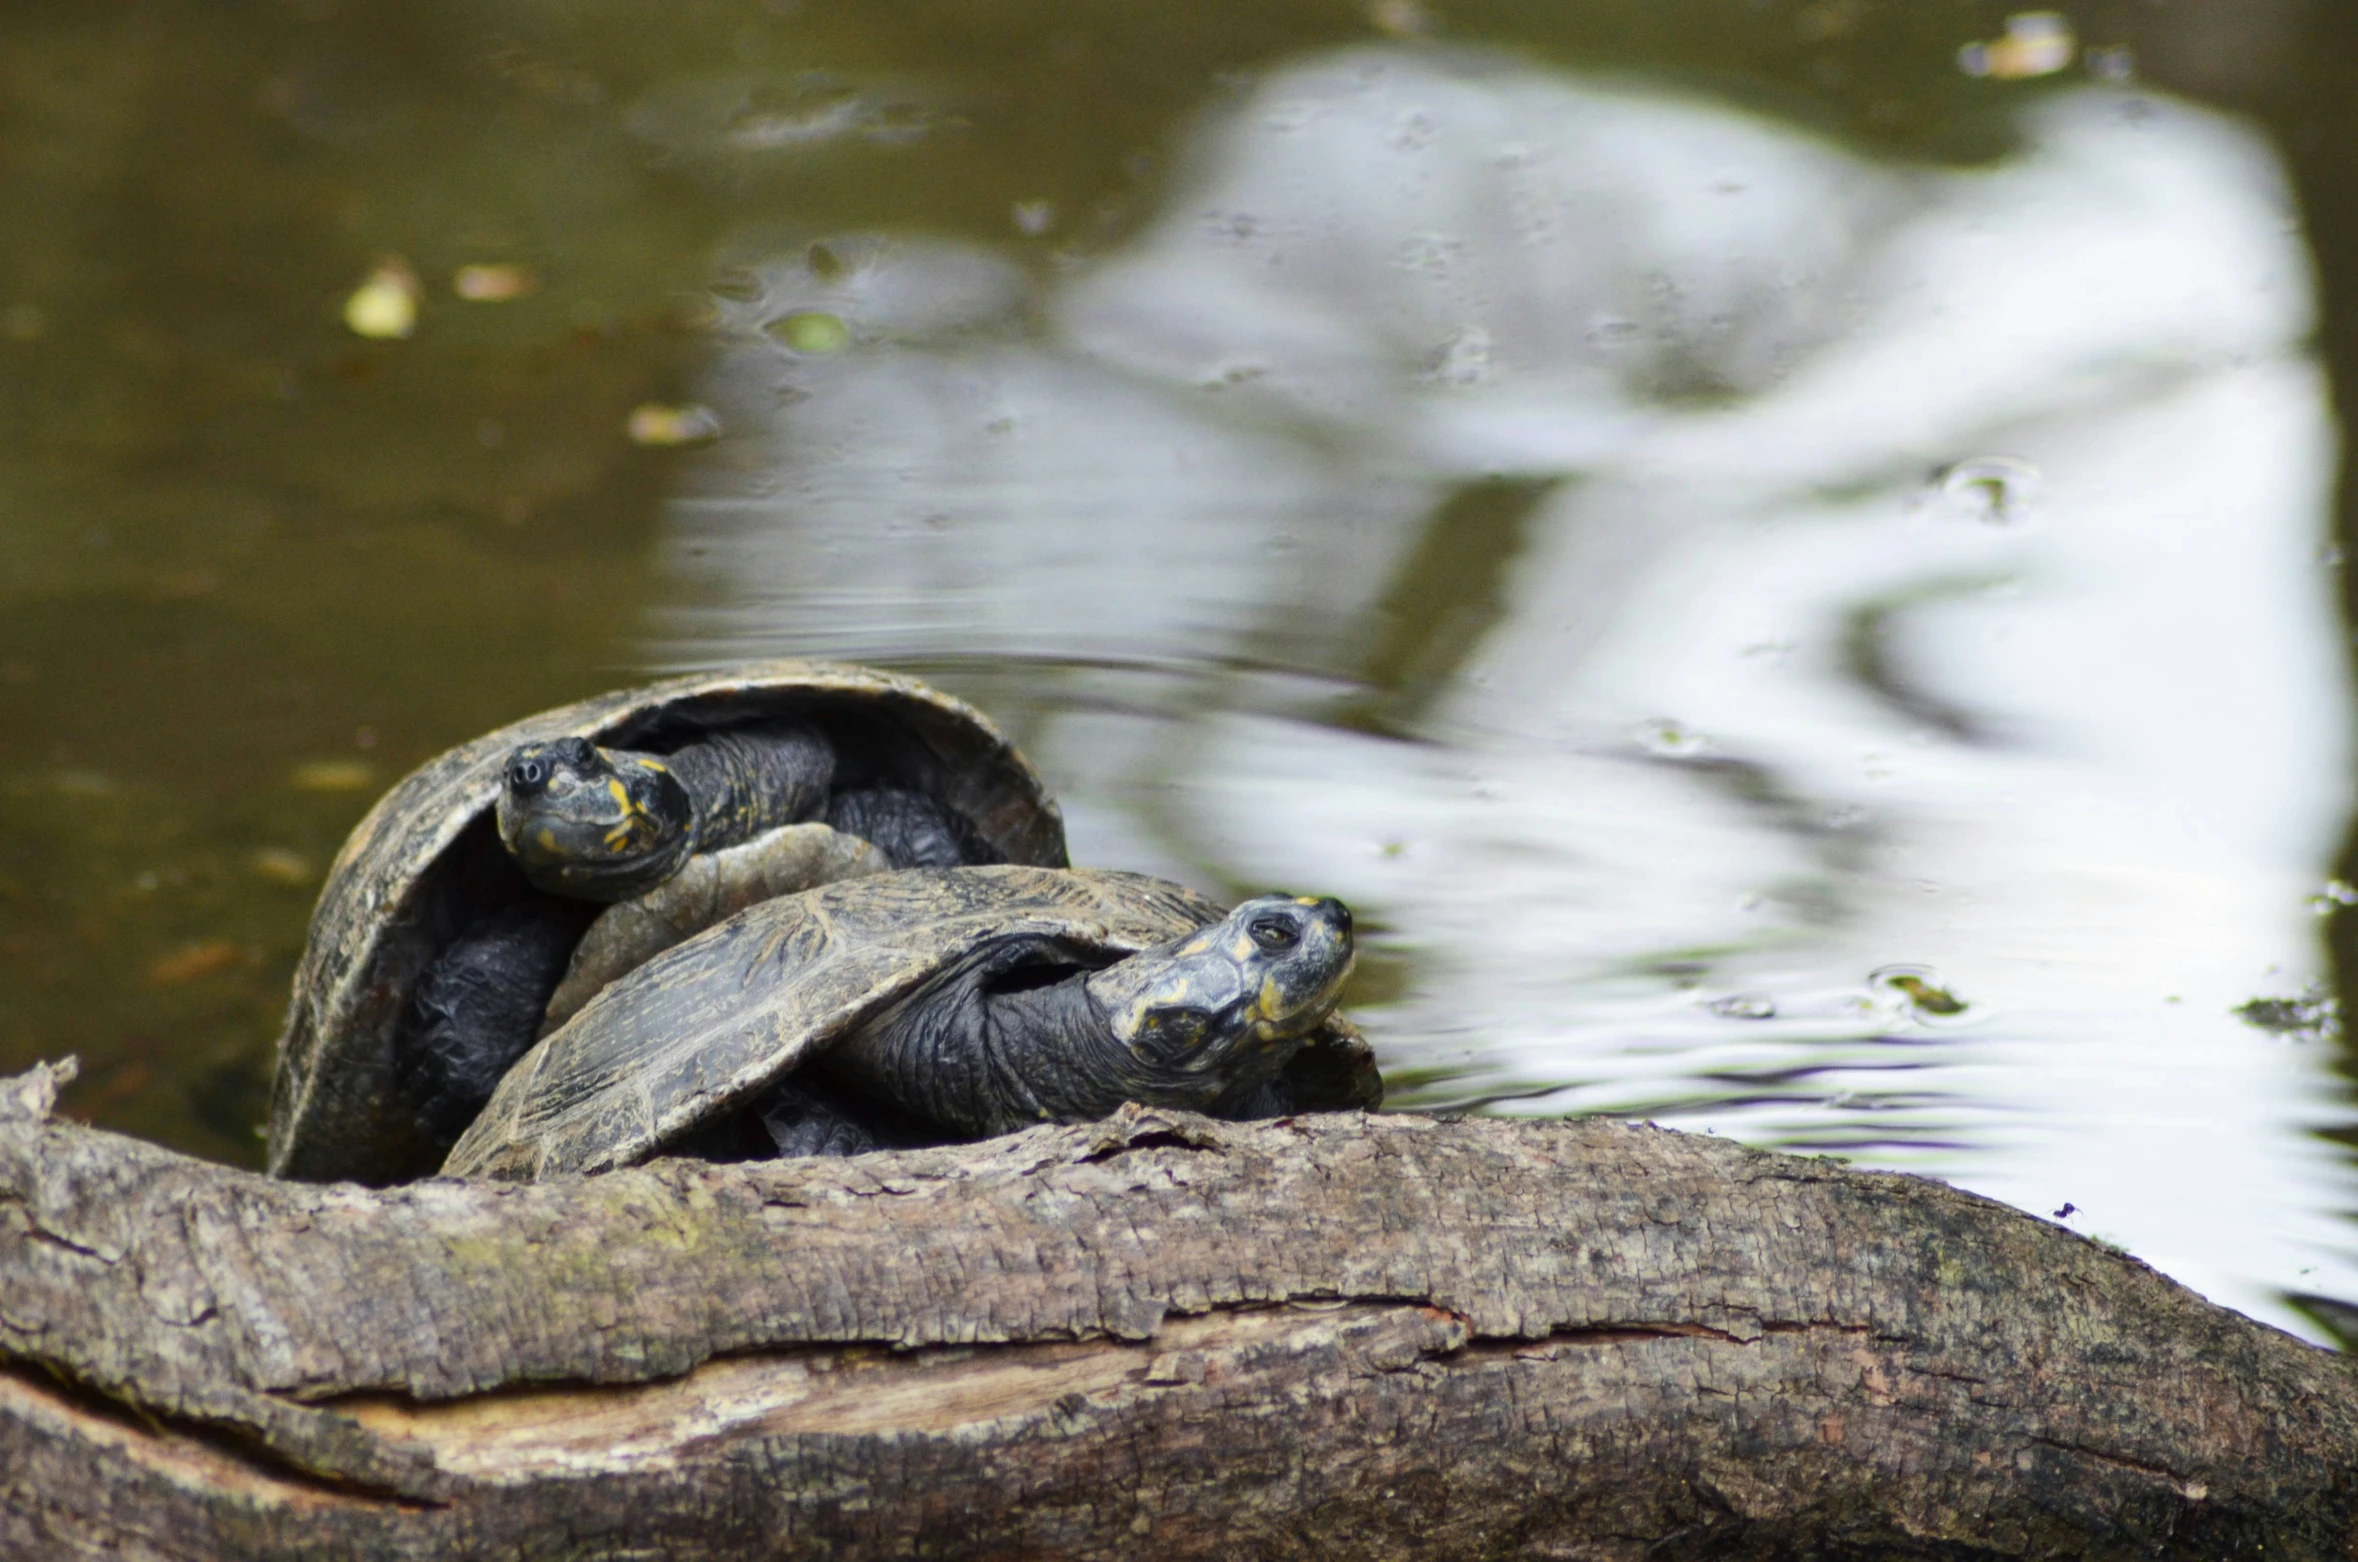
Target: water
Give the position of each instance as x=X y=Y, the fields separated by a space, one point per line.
x=1793 y=586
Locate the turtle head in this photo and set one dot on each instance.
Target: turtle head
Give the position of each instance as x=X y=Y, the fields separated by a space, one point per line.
x=1229 y=1001
x=593 y=823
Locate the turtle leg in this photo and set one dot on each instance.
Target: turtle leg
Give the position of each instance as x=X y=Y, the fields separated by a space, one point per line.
x=911 y=829
x=477 y=1009
x=803 y=1117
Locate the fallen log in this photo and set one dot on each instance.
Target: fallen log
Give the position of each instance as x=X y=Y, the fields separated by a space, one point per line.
x=1334 y=1336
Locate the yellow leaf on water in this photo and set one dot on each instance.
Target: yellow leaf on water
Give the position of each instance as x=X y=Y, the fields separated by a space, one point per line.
x=333 y=775
x=1925 y=996
x=653 y=423
x=2037 y=43
x=818 y=334
x=385 y=305
x=281 y=866
x=493 y=284
x=193 y=962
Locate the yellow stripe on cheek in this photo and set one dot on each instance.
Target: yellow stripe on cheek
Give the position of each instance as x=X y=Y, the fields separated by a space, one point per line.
x=622 y=834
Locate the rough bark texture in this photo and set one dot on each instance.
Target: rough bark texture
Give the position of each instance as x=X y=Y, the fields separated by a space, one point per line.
x=1339 y=1336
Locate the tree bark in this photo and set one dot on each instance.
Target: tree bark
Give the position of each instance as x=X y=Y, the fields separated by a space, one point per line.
x=1333 y=1336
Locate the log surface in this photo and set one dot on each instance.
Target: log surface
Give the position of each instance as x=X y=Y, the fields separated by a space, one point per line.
x=1335 y=1336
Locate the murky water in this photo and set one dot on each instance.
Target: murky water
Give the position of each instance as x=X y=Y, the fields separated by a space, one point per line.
x=1792 y=584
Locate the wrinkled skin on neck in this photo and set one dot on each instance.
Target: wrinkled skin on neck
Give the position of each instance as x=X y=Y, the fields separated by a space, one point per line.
x=594 y=823
x=1211 y=1014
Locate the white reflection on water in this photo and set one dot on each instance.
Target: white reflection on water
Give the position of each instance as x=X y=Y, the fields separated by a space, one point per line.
x=1917 y=568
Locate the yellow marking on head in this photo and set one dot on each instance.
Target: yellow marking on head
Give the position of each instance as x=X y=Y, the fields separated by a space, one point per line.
x=548 y=839
x=632 y=816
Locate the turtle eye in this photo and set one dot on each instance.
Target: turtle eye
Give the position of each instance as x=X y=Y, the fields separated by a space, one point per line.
x=1275 y=935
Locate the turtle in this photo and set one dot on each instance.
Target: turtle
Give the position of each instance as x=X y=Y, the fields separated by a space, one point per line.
x=933 y=1006
x=426 y=913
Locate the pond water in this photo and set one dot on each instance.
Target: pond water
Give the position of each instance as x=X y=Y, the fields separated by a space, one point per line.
x=1782 y=556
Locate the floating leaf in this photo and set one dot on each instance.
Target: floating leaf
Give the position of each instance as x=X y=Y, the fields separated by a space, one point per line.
x=193 y=962
x=1925 y=996
x=333 y=775
x=812 y=331
x=653 y=423
x=1400 y=18
x=385 y=305
x=2037 y=43
x=281 y=866
x=493 y=284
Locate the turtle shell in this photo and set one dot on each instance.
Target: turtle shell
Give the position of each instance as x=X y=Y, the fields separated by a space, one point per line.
x=706 y=1026
x=427 y=859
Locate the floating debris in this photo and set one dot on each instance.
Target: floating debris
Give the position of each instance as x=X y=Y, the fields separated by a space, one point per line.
x=1401 y=19
x=2116 y=64
x=194 y=962
x=182 y=585
x=1916 y=984
x=653 y=423
x=1744 y=1006
x=2336 y=894
x=1033 y=218
x=385 y=305
x=281 y=866
x=2037 y=43
x=1668 y=739
x=1829 y=21
x=1995 y=490
x=2313 y=1014
x=494 y=284
x=332 y=775
x=812 y=332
